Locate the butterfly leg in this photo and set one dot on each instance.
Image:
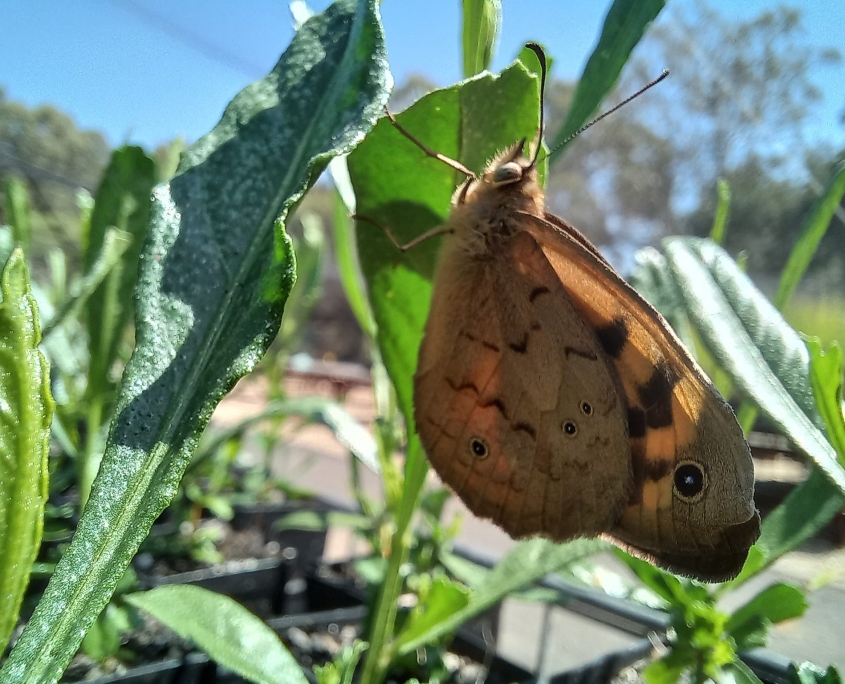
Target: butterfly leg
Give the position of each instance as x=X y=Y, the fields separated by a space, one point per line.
x=434 y=232
x=429 y=152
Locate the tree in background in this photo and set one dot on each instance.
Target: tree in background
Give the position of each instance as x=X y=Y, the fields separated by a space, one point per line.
x=736 y=106
x=737 y=90
x=615 y=182
x=44 y=147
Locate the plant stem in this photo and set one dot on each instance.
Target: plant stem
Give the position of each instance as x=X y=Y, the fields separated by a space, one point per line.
x=380 y=653
x=92 y=453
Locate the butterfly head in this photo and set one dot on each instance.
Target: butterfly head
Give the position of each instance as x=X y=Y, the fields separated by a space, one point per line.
x=508 y=186
x=510 y=167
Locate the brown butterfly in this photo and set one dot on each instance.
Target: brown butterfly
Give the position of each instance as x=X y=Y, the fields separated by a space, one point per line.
x=555 y=401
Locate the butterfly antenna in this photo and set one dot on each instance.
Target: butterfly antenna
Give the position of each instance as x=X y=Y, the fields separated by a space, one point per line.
x=541 y=55
x=610 y=111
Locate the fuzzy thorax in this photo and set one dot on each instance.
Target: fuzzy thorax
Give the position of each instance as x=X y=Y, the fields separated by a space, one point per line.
x=488 y=208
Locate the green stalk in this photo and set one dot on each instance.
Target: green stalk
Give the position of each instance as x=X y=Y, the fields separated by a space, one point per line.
x=91 y=455
x=380 y=653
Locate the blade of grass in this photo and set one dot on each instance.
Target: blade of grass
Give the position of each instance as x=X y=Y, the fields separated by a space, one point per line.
x=624 y=26
x=114 y=245
x=812 y=231
x=482 y=20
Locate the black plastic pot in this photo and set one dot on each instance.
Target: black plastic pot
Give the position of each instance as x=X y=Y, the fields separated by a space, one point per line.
x=276 y=586
x=635 y=619
x=307 y=544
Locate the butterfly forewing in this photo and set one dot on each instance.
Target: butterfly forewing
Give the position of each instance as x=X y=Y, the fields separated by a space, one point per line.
x=677 y=420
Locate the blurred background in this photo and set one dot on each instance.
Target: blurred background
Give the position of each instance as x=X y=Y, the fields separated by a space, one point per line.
x=756 y=96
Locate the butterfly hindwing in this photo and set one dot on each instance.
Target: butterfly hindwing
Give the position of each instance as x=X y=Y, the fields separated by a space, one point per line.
x=507 y=360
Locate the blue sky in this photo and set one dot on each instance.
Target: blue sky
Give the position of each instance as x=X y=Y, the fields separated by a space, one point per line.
x=146 y=71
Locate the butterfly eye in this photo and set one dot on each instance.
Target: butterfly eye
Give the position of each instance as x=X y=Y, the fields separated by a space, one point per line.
x=689 y=480
x=509 y=172
x=570 y=428
x=586 y=408
x=479 y=448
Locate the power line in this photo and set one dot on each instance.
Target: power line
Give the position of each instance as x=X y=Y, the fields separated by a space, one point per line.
x=38 y=172
x=193 y=41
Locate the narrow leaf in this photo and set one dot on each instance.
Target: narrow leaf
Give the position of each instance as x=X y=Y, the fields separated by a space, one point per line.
x=768 y=360
x=720 y=220
x=116 y=242
x=806 y=509
x=319 y=521
x=26 y=409
x=624 y=26
x=748 y=336
x=808 y=673
x=348 y=430
x=815 y=226
x=17 y=212
x=737 y=672
x=444 y=598
x=122 y=201
x=482 y=21
x=216 y=270
x=525 y=563
x=826 y=380
x=224 y=629
x=774 y=604
x=348 y=267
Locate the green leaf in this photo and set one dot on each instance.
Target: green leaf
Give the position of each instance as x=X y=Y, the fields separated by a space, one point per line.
x=310 y=255
x=664 y=584
x=774 y=604
x=397 y=186
x=527 y=562
x=444 y=599
x=720 y=220
x=216 y=269
x=224 y=629
x=470 y=573
x=481 y=26
x=806 y=509
x=765 y=358
x=808 y=673
x=624 y=26
x=737 y=672
x=122 y=200
x=769 y=362
x=103 y=639
x=815 y=226
x=115 y=243
x=666 y=670
x=7 y=245
x=17 y=212
x=342 y=669
x=346 y=257
x=26 y=409
x=322 y=520
x=826 y=380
